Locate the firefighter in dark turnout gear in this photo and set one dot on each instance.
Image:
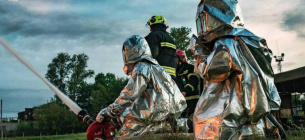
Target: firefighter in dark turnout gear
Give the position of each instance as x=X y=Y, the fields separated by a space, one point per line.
x=161 y=44
x=189 y=84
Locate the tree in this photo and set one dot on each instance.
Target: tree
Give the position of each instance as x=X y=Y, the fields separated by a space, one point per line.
x=182 y=39
x=105 y=90
x=77 y=82
x=58 y=72
x=113 y=83
x=27 y=128
x=55 y=118
x=297 y=99
x=84 y=95
x=69 y=75
x=99 y=98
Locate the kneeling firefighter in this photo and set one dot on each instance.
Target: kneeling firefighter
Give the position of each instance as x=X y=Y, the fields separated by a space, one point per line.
x=189 y=84
x=150 y=100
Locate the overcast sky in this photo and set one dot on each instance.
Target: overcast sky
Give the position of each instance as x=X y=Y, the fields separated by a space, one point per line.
x=39 y=29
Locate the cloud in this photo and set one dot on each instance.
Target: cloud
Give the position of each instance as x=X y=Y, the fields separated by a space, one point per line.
x=103 y=19
x=20 y=21
x=9 y=24
x=294 y=20
x=39 y=30
x=96 y=31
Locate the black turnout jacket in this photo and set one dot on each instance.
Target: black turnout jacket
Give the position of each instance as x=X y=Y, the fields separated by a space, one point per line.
x=163 y=48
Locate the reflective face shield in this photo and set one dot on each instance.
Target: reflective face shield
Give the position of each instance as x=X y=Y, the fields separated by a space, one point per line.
x=127 y=67
x=124 y=54
x=200 y=20
x=217 y=15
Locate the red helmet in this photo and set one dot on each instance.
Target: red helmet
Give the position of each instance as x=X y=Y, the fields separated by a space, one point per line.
x=181 y=56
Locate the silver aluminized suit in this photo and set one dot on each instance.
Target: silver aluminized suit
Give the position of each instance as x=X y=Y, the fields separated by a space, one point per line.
x=239 y=93
x=150 y=97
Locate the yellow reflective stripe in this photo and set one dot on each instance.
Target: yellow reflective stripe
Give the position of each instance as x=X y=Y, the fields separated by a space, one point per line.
x=192 y=74
x=192 y=97
x=185 y=72
x=167 y=67
x=170 y=70
x=190 y=86
x=166 y=44
x=170 y=46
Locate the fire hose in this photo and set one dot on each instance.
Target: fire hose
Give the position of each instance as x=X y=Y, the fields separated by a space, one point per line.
x=104 y=130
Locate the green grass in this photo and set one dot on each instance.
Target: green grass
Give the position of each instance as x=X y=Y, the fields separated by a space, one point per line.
x=82 y=136
x=79 y=136
x=163 y=137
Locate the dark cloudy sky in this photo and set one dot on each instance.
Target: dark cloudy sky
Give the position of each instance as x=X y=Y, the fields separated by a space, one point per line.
x=39 y=29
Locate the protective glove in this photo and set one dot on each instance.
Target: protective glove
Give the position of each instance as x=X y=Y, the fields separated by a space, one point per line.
x=104 y=114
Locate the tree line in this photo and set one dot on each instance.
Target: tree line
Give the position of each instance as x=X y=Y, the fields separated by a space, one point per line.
x=69 y=74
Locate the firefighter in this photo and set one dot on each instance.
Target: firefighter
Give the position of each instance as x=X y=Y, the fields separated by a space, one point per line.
x=161 y=44
x=150 y=100
x=189 y=84
x=239 y=95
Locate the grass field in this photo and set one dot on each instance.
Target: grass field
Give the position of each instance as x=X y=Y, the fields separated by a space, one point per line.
x=79 y=136
x=82 y=136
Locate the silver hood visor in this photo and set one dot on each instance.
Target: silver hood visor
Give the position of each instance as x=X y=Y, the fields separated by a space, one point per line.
x=137 y=49
x=217 y=18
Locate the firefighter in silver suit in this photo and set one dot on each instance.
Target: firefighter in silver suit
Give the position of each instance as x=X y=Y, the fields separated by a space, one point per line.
x=150 y=100
x=239 y=94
